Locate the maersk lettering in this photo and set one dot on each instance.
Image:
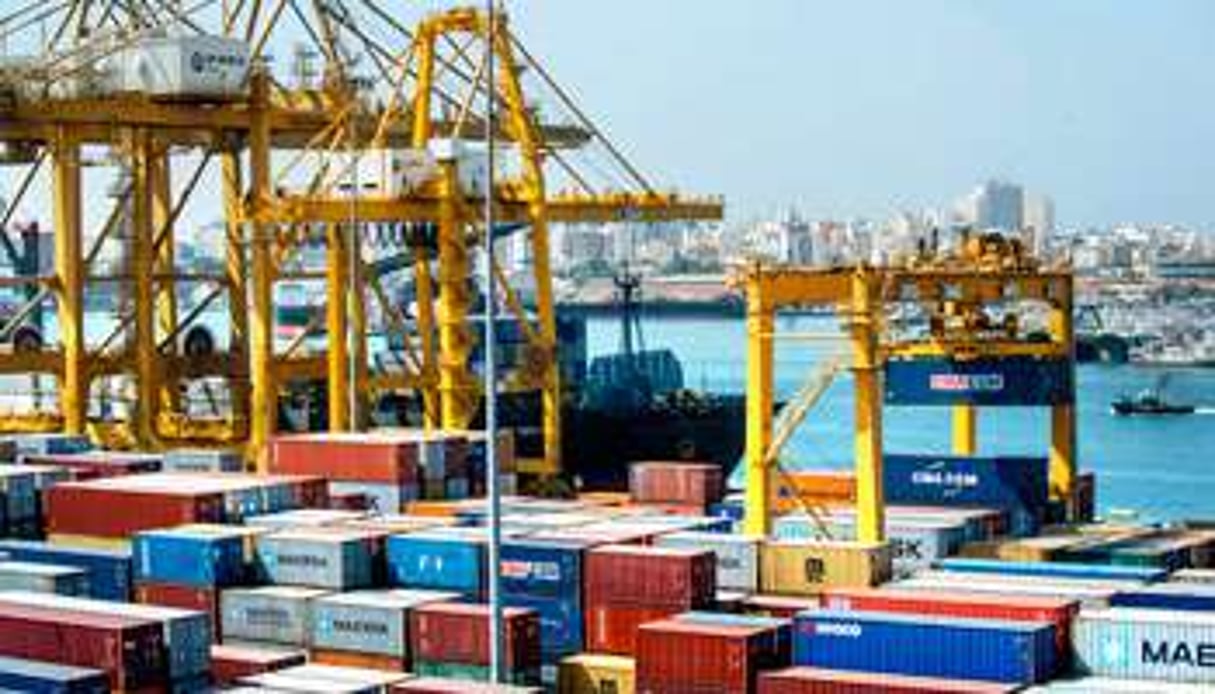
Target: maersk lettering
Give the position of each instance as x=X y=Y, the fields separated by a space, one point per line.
x=1165 y=653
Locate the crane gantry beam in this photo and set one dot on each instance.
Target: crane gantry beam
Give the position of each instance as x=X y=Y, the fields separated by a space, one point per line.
x=987 y=271
x=290 y=165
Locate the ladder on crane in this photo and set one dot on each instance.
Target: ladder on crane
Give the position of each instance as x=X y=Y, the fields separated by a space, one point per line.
x=790 y=417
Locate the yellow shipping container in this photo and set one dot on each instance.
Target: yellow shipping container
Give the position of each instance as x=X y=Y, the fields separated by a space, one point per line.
x=90 y=542
x=803 y=567
x=588 y=673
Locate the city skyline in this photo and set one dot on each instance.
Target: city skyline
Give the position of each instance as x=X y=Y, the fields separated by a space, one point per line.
x=867 y=108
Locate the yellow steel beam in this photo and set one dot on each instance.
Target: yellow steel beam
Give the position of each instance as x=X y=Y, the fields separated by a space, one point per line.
x=760 y=357
x=236 y=269
x=164 y=251
x=264 y=406
x=866 y=369
x=69 y=266
x=965 y=430
x=512 y=206
x=456 y=385
x=337 y=289
x=1063 y=463
x=147 y=382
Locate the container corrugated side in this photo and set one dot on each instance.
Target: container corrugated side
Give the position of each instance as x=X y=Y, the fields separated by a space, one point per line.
x=43 y=578
x=187 y=633
x=588 y=673
x=109 y=570
x=437 y=561
x=373 y=621
x=199 y=556
x=1054 y=569
x=20 y=675
x=277 y=614
x=547 y=576
x=804 y=567
x=991 y=650
x=1168 y=596
x=1146 y=644
x=333 y=559
x=808 y=680
x=1112 y=685
x=737 y=556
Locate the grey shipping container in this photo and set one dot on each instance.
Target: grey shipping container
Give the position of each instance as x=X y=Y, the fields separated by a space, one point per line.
x=915 y=543
x=1113 y=685
x=304 y=518
x=737 y=556
x=1146 y=644
x=328 y=678
x=339 y=560
x=44 y=578
x=202 y=460
x=373 y=621
x=277 y=614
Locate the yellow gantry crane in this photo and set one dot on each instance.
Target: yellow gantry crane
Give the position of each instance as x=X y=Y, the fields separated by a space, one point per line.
x=977 y=305
x=374 y=159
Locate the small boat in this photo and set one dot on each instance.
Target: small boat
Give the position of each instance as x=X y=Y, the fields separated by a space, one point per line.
x=1149 y=401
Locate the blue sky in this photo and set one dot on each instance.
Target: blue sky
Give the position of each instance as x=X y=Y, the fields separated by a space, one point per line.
x=865 y=106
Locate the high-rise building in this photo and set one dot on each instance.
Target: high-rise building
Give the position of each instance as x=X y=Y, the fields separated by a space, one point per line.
x=1039 y=219
x=999 y=205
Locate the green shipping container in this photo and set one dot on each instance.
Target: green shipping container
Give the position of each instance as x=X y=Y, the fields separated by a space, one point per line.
x=471 y=673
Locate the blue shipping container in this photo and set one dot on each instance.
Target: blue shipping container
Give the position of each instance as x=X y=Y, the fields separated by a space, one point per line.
x=35 y=676
x=1015 y=483
x=1097 y=572
x=1182 y=597
x=929 y=646
x=546 y=576
x=1018 y=381
x=437 y=562
x=109 y=570
x=203 y=559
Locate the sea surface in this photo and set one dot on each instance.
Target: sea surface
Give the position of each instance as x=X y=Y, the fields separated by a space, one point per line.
x=1163 y=468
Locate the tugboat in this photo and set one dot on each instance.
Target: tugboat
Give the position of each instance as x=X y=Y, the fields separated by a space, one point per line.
x=1149 y=401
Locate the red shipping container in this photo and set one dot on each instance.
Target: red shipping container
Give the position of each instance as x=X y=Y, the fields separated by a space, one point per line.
x=677 y=656
x=613 y=629
x=379 y=457
x=459 y=633
x=684 y=579
x=695 y=484
x=84 y=508
x=230 y=663
x=806 y=680
x=131 y=651
x=1014 y=608
x=183 y=598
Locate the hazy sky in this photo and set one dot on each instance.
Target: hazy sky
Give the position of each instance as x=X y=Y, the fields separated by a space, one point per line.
x=863 y=106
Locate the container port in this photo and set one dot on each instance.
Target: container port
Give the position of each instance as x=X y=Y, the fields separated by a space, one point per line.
x=324 y=504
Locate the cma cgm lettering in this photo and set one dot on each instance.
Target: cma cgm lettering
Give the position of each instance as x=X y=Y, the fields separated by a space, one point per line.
x=938 y=478
x=534 y=570
x=1017 y=381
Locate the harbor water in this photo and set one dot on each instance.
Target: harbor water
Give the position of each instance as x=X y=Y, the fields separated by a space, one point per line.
x=1156 y=466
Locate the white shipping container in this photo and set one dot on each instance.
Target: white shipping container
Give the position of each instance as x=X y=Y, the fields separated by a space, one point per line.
x=1146 y=644
x=737 y=556
x=1102 y=685
x=1086 y=595
x=916 y=544
x=181 y=67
